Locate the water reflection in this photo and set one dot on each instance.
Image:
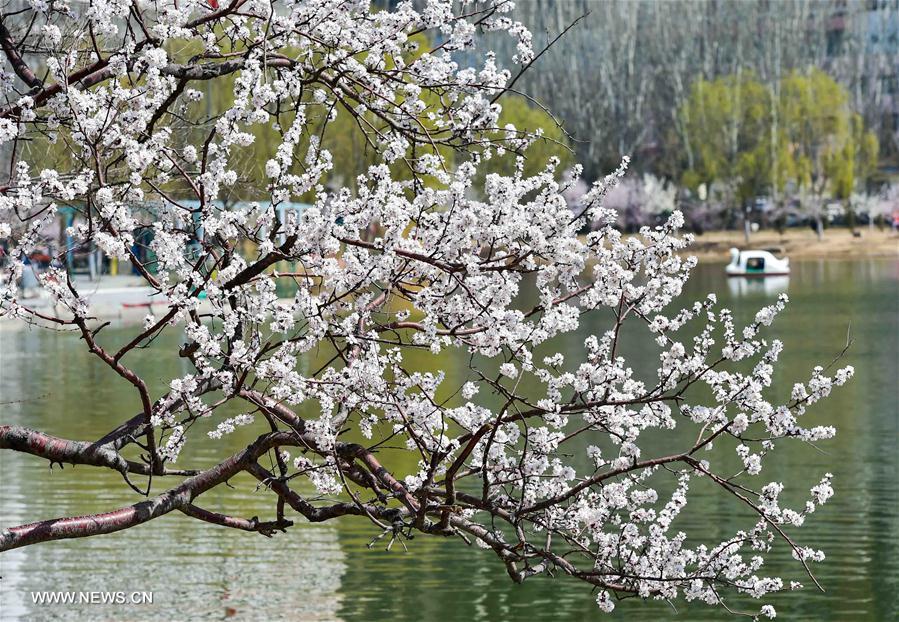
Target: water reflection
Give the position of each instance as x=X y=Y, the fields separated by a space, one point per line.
x=197 y=571
x=753 y=286
x=326 y=572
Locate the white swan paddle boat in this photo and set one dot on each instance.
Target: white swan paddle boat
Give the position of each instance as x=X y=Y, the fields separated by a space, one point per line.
x=756 y=263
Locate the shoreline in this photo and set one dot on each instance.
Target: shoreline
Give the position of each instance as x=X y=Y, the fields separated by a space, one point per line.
x=798 y=243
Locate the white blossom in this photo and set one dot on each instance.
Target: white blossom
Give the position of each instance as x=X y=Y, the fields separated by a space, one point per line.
x=423 y=307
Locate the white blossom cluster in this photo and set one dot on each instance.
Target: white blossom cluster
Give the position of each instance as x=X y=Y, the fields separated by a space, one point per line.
x=419 y=259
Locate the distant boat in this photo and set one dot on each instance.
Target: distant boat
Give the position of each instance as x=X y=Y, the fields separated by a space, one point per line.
x=756 y=263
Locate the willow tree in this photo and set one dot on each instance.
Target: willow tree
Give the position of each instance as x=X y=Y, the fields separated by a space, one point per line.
x=801 y=135
x=731 y=122
x=728 y=119
x=403 y=268
x=829 y=150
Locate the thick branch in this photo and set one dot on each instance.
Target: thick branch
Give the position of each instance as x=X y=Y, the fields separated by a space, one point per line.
x=15 y=59
x=176 y=498
x=66 y=451
x=60 y=450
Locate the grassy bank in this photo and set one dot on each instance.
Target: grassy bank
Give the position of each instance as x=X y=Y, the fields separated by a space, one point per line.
x=838 y=243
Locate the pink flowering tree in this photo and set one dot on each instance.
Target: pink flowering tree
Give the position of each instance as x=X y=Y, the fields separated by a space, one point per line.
x=535 y=456
x=641 y=202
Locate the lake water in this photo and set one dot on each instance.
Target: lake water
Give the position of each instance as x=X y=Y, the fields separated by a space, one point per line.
x=198 y=571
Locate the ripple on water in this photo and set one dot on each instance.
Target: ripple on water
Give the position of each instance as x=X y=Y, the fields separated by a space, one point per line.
x=325 y=572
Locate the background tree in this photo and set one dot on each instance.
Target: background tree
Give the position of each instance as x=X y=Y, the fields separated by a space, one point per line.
x=729 y=119
x=641 y=202
x=808 y=137
x=636 y=61
x=829 y=150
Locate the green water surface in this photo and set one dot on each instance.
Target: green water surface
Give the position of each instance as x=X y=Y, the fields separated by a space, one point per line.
x=197 y=571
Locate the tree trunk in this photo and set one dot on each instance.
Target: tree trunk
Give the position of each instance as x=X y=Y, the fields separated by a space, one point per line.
x=747 y=226
x=850 y=216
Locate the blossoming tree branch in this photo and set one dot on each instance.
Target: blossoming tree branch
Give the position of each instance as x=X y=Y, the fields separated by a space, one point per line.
x=538 y=453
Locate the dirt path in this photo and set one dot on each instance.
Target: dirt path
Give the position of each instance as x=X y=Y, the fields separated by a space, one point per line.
x=800 y=243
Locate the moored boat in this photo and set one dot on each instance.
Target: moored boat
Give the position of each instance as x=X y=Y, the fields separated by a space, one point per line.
x=756 y=263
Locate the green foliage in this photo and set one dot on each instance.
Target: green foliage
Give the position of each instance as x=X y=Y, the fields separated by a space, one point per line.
x=715 y=116
x=761 y=137
x=553 y=143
